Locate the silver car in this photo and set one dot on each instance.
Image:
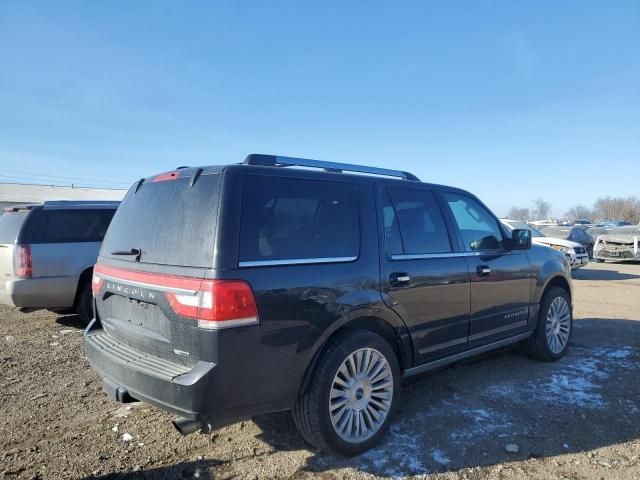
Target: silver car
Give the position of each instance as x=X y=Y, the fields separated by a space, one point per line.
x=47 y=253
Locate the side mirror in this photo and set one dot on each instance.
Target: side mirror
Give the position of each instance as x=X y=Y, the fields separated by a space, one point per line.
x=520 y=239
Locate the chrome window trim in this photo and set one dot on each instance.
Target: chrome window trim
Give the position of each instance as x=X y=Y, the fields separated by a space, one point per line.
x=295 y=261
x=419 y=256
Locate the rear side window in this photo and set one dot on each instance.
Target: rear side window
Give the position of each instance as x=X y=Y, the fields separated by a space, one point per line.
x=293 y=219
x=170 y=222
x=11 y=224
x=422 y=227
x=68 y=226
x=479 y=229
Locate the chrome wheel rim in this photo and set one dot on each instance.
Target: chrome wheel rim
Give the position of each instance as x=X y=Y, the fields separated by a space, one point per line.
x=361 y=395
x=558 y=325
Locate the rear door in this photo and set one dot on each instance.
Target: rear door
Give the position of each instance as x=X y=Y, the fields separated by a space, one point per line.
x=423 y=278
x=159 y=245
x=501 y=280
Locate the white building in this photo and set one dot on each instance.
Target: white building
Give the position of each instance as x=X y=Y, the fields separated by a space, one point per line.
x=21 y=194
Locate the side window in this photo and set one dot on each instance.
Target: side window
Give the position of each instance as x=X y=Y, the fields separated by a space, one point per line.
x=67 y=226
x=288 y=219
x=421 y=225
x=391 y=228
x=479 y=229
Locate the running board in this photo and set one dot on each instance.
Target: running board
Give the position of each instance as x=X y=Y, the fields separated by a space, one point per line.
x=462 y=355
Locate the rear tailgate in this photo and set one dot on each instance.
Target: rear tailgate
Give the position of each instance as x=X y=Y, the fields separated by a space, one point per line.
x=134 y=308
x=159 y=244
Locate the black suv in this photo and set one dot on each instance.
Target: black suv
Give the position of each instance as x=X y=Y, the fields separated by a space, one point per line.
x=230 y=291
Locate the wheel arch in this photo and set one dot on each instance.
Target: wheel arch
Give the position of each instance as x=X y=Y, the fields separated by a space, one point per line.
x=386 y=324
x=84 y=277
x=558 y=281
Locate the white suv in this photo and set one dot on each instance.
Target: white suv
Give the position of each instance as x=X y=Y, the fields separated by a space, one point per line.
x=576 y=254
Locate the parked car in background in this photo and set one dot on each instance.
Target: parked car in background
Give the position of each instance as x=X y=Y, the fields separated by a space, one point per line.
x=583 y=221
x=230 y=291
x=573 y=234
x=622 y=243
x=609 y=224
x=47 y=253
x=576 y=254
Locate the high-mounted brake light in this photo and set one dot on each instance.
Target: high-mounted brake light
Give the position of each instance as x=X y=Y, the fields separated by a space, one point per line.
x=163 y=177
x=213 y=304
x=22 y=261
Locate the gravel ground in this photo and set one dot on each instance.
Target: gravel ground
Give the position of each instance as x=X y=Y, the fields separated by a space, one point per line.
x=577 y=418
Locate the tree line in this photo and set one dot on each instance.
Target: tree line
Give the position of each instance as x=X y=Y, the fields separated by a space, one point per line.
x=605 y=208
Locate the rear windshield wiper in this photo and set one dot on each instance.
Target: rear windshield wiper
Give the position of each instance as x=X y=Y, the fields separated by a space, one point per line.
x=134 y=252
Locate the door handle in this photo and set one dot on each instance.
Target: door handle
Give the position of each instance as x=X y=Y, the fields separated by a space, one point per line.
x=483 y=270
x=399 y=278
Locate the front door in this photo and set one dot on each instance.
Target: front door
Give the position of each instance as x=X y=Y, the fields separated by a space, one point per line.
x=501 y=279
x=423 y=279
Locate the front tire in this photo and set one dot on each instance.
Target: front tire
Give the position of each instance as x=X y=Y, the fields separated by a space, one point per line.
x=350 y=400
x=550 y=340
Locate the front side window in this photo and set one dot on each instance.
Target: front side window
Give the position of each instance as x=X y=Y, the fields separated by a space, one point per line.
x=421 y=225
x=479 y=229
x=291 y=218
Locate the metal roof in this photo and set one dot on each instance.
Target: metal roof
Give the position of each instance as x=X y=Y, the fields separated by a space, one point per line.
x=27 y=193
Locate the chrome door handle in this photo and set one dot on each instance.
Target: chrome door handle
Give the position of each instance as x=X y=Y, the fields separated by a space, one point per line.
x=398 y=278
x=483 y=270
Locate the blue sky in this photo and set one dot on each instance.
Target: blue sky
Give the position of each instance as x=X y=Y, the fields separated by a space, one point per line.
x=511 y=100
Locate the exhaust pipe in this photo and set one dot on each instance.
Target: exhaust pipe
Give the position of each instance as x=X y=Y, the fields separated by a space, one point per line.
x=186 y=426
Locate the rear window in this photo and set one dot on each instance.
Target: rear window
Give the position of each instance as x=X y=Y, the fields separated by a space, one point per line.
x=10 y=225
x=171 y=222
x=293 y=219
x=68 y=226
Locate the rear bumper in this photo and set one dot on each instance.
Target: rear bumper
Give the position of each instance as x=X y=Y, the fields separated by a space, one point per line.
x=169 y=386
x=46 y=292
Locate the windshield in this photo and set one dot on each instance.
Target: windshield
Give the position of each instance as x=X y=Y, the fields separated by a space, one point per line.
x=525 y=226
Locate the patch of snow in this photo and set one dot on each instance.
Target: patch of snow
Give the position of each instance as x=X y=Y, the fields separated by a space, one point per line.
x=512 y=447
x=440 y=457
x=127 y=437
x=479 y=422
x=575 y=381
x=69 y=330
x=114 y=428
x=398 y=455
x=572 y=390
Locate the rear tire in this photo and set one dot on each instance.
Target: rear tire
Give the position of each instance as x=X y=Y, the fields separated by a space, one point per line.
x=550 y=340
x=352 y=394
x=84 y=305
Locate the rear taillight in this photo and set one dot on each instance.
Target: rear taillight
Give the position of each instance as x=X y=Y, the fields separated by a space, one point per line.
x=22 y=261
x=213 y=303
x=217 y=304
x=96 y=281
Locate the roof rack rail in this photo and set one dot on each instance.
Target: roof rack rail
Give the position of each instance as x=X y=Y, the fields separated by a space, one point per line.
x=278 y=161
